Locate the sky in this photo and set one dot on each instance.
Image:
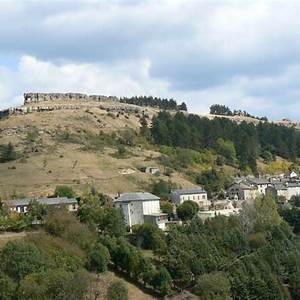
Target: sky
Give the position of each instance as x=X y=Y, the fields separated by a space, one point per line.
x=241 y=53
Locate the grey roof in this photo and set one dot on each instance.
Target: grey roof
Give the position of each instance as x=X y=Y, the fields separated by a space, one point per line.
x=243 y=185
x=293 y=184
x=188 y=191
x=137 y=196
x=258 y=180
x=279 y=187
x=44 y=201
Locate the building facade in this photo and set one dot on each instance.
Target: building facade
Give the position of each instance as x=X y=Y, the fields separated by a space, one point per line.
x=22 y=205
x=140 y=207
x=242 y=191
x=197 y=195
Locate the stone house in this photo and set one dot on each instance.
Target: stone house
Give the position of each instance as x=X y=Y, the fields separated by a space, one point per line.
x=227 y=210
x=152 y=170
x=260 y=183
x=278 y=190
x=242 y=191
x=286 y=190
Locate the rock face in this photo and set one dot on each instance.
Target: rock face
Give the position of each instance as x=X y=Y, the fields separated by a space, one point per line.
x=39 y=97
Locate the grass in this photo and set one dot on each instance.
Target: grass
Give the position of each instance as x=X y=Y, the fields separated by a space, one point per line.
x=102 y=281
x=75 y=152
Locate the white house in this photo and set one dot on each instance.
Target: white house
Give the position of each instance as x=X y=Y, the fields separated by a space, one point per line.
x=21 y=205
x=140 y=207
x=293 y=174
x=197 y=195
x=152 y=170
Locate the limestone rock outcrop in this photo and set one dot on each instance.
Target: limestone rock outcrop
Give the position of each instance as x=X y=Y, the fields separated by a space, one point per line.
x=39 y=97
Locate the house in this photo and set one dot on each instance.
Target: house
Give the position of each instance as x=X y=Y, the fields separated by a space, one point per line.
x=293 y=174
x=286 y=190
x=198 y=195
x=259 y=183
x=242 y=191
x=278 y=190
x=150 y=170
x=21 y=205
x=140 y=207
x=227 y=210
x=293 y=189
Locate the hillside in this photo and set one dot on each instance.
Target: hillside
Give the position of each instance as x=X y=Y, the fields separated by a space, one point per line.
x=59 y=145
x=239 y=119
x=81 y=141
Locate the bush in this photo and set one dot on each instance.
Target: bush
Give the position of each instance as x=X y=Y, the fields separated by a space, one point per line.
x=65 y=225
x=99 y=258
x=7 y=153
x=187 y=210
x=7 y=287
x=161 y=188
x=149 y=236
x=20 y=258
x=162 y=281
x=213 y=286
x=55 y=284
x=117 y=291
x=64 y=191
x=166 y=207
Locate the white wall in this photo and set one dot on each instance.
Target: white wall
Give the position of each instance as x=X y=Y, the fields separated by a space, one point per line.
x=151 y=207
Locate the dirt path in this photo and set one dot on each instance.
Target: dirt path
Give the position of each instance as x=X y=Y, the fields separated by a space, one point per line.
x=9 y=236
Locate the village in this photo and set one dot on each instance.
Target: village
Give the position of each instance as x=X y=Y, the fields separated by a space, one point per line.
x=143 y=207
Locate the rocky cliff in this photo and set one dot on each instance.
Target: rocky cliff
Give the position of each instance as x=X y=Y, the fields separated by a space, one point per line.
x=39 y=97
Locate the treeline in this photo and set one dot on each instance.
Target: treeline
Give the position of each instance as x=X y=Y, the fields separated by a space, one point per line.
x=162 y=103
x=252 y=256
x=223 y=110
x=240 y=144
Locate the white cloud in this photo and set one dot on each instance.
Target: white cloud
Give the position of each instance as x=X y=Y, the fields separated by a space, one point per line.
x=130 y=78
x=241 y=53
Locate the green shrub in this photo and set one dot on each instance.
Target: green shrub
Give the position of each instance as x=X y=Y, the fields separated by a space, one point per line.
x=117 y=290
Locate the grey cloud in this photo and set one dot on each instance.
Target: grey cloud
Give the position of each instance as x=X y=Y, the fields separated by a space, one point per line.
x=199 y=48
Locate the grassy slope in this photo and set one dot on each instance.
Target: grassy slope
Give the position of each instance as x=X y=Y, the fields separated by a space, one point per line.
x=49 y=163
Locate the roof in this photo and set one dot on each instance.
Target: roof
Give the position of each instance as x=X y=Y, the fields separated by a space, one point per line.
x=243 y=185
x=258 y=181
x=293 y=184
x=279 y=187
x=137 y=196
x=188 y=191
x=44 y=201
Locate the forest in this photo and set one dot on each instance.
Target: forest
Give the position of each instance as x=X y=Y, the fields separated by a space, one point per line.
x=223 y=110
x=241 y=143
x=162 y=103
x=251 y=256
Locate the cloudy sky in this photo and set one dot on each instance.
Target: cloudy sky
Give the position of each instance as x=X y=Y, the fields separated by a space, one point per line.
x=242 y=53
